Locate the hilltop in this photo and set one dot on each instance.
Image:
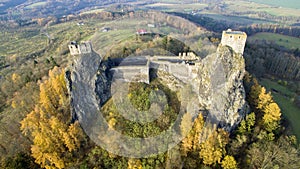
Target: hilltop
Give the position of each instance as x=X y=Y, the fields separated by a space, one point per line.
x=33 y=44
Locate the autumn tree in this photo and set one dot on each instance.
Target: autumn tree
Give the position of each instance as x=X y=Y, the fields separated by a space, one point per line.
x=134 y=164
x=213 y=149
x=229 y=162
x=55 y=139
x=271 y=111
x=267 y=112
x=191 y=142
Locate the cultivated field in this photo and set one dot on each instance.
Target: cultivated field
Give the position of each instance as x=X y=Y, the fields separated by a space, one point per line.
x=176 y=7
x=243 y=6
x=34 y=5
x=280 y=3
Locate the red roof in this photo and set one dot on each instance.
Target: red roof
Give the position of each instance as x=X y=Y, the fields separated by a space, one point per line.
x=141 y=31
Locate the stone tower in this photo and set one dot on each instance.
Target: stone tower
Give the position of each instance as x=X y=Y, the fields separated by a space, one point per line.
x=235 y=39
x=77 y=49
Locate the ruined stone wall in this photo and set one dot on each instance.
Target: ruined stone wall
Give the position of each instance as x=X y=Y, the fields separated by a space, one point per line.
x=235 y=39
x=77 y=49
x=85 y=47
x=74 y=49
x=131 y=73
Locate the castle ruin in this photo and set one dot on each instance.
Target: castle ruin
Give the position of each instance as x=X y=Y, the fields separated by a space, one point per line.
x=77 y=49
x=235 y=39
x=216 y=81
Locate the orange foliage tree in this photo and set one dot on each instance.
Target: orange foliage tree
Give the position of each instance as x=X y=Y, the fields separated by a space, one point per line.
x=55 y=139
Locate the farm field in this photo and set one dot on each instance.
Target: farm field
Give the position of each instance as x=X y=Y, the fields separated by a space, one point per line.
x=34 y=5
x=122 y=31
x=176 y=7
x=282 y=40
x=93 y=11
x=235 y=19
x=287 y=3
x=261 y=7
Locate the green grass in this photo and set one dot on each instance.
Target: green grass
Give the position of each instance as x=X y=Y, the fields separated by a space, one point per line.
x=290 y=111
x=282 y=40
x=280 y=88
x=235 y=19
x=176 y=6
x=242 y=6
x=123 y=30
x=284 y=99
x=23 y=43
x=104 y=41
x=36 y=5
x=283 y=3
x=93 y=11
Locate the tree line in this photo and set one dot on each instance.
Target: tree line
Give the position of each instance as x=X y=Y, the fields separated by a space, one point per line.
x=262 y=58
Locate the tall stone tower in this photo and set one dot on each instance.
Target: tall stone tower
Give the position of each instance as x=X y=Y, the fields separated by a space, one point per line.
x=77 y=49
x=235 y=39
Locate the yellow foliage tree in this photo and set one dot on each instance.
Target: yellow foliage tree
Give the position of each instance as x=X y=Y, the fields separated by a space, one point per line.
x=270 y=109
x=213 y=149
x=134 y=164
x=191 y=142
x=15 y=78
x=229 y=162
x=54 y=138
x=264 y=98
x=271 y=116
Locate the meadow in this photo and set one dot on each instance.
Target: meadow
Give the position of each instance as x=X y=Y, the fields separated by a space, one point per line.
x=261 y=6
x=282 y=40
x=286 y=3
x=35 y=5
x=177 y=7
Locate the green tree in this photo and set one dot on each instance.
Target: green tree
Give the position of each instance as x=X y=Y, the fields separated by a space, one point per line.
x=247 y=124
x=279 y=154
x=254 y=93
x=20 y=160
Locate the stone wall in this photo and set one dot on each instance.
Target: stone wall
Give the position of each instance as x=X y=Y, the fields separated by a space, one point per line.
x=131 y=73
x=235 y=39
x=77 y=49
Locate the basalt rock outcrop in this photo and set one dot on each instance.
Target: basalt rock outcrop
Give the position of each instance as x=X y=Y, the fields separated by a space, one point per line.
x=221 y=88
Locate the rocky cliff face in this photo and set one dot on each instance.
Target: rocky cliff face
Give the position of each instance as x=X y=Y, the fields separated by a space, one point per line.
x=221 y=90
x=82 y=78
x=219 y=86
